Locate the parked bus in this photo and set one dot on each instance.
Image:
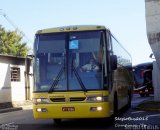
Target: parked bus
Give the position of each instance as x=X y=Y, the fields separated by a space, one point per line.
x=80 y=72
x=143 y=79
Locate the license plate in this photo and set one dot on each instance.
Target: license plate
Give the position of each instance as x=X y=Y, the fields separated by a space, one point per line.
x=68 y=109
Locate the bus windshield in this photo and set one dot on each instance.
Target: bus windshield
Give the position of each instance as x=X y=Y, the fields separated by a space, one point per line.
x=139 y=73
x=69 y=61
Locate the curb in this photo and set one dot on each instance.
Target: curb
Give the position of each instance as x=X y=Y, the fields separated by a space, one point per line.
x=26 y=107
x=149 y=106
x=148 y=109
x=10 y=109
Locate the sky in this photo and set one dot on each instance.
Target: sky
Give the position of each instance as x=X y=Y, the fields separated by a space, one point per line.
x=124 y=18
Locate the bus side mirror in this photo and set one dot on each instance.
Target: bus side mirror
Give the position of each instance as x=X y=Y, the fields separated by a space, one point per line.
x=114 y=62
x=31 y=56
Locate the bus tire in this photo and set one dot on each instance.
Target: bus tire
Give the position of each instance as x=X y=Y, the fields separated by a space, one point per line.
x=57 y=121
x=115 y=109
x=129 y=99
x=142 y=95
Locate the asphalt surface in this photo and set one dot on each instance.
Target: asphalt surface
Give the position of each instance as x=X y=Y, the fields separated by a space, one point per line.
x=128 y=119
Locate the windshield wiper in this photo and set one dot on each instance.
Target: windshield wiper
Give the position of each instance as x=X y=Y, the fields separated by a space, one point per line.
x=78 y=77
x=55 y=82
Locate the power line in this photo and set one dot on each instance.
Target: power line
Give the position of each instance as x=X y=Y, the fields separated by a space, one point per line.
x=12 y=23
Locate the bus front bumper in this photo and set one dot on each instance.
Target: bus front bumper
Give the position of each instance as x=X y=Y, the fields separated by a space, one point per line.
x=72 y=110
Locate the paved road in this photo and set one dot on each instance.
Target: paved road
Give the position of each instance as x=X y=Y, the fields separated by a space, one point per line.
x=138 y=99
x=129 y=119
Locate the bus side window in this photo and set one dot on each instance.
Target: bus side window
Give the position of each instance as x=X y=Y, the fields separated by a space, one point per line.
x=109 y=52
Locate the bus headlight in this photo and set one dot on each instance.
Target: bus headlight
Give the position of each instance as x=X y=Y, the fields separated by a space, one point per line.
x=41 y=101
x=94 y=109
x=97 y=99
x=41 y=110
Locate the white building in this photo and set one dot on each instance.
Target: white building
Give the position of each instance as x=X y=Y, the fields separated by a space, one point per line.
x=15 y=85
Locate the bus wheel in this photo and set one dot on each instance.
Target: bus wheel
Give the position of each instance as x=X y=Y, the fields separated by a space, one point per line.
x=129 y=100
x=142 y=95
x=115 y=105
x=57 y=121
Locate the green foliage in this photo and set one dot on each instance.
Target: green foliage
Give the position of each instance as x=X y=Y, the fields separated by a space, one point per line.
x=11 y=43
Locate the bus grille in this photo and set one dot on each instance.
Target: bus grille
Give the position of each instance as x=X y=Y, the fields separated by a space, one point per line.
x=77 y=99
x=74 y=99
x=57 y=99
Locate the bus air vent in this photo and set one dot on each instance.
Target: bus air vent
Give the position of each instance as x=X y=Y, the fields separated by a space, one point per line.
x=57 y=99
x=77 y=99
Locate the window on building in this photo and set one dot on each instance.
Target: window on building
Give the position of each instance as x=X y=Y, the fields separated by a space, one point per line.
x=15 y=74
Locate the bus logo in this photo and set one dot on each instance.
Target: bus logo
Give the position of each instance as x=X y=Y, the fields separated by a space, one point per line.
x=67 y=100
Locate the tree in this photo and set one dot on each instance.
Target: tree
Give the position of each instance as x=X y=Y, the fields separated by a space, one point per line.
x=11 y=43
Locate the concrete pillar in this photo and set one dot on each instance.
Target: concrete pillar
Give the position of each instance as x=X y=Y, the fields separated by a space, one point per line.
x=156 y=81
x=152 y=9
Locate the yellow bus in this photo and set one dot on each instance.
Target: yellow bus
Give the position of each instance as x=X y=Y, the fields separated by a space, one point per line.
x=80 y=72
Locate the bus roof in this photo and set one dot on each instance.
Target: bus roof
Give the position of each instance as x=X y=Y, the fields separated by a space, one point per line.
x=72 y=29
x=144 y=64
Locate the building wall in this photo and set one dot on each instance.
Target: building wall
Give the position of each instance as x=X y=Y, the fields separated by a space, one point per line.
x=13 y=91
x=5 y=83
x=18 y=87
